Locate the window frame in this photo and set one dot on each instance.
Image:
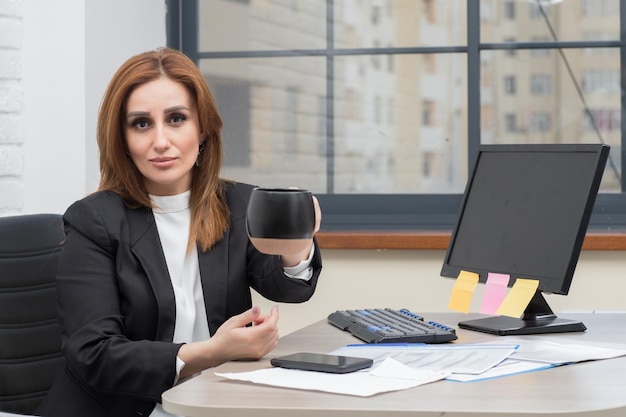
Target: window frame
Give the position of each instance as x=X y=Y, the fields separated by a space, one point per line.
x=417 y=214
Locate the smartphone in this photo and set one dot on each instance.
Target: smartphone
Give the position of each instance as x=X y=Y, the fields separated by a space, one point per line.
x=322 y=362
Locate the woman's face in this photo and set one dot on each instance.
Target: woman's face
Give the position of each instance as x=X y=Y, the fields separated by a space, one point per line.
x=163 y=135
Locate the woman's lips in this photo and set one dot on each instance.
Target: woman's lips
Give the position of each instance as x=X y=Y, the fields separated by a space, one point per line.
x=163 y=162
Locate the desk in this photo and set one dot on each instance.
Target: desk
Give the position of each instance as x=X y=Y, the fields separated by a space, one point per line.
x=595 y=388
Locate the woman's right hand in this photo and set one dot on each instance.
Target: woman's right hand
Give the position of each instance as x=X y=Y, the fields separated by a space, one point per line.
x=233 y=340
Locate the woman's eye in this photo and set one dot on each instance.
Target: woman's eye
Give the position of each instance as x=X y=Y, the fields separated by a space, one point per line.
x=141 y=123
x=177 y=118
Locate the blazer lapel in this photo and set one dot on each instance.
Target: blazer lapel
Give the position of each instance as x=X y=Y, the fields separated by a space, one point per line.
x=213 y=274
x=146 y=246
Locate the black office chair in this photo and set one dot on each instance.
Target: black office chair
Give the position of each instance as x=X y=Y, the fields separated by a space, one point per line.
x=30 y=343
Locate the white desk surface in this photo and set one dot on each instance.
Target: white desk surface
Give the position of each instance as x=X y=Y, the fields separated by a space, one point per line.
x=594 y=388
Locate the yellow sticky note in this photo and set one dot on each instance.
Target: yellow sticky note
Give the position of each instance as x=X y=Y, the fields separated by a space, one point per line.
x=518 y=298
x=462 y=292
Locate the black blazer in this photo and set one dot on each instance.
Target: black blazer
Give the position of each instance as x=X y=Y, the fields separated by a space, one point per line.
x=117 y=307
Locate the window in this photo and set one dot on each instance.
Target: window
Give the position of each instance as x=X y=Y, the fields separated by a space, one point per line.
x=603 y=120
x=510 y=85
x=428 y=113
x=540 y=84
x=539 y=121
x=428 y=164
x=510 y=121
x=377 y=110
x=375 y=14
x=509 y=10
x=429 y=10
x=358 y=99
x=598 y=8
x=601 y=81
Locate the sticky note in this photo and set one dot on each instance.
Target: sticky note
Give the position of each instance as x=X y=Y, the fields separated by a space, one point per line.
x=462 y=292
x=518 y=298
x=495 y=291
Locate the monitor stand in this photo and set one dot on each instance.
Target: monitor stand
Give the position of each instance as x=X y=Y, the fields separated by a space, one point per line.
x=537 y=318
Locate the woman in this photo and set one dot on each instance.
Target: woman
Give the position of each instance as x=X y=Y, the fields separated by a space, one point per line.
x=155 y=274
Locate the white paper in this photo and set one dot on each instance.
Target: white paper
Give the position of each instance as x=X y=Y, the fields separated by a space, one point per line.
x=461 y=358
x=389 y=375
x=562 y=352
x=506 y=368
x=538 y=354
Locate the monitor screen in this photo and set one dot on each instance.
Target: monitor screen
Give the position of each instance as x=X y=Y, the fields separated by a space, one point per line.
x=525 y=212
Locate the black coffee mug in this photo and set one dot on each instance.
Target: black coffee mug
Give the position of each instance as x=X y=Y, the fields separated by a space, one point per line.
x=280 y=221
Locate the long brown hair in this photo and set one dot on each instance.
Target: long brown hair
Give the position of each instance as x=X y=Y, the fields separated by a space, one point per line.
x=118 y=173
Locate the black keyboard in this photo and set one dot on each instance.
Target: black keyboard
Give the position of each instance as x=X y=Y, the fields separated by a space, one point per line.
x=387 y=325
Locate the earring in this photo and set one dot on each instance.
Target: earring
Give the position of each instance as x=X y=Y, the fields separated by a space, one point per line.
x=200 y=149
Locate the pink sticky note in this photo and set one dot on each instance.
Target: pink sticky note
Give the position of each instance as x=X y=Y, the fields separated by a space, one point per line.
x=495 y=291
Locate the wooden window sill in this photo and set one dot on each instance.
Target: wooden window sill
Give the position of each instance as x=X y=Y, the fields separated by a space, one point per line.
x=438 y=240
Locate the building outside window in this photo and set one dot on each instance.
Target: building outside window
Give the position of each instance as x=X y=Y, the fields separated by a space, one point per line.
x=356 y=99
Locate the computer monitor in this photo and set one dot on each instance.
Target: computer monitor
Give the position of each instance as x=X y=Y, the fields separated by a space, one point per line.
x=525 y=213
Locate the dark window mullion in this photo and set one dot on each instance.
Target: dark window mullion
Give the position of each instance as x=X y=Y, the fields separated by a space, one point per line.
x=330 y=100
x=622 y=21
x=473 y=80
x=173 y=24
x=182 y=27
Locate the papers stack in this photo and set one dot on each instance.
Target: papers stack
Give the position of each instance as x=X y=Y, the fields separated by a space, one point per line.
x=403 y=366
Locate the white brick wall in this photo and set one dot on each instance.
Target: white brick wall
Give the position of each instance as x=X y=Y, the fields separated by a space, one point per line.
x=11 y=100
